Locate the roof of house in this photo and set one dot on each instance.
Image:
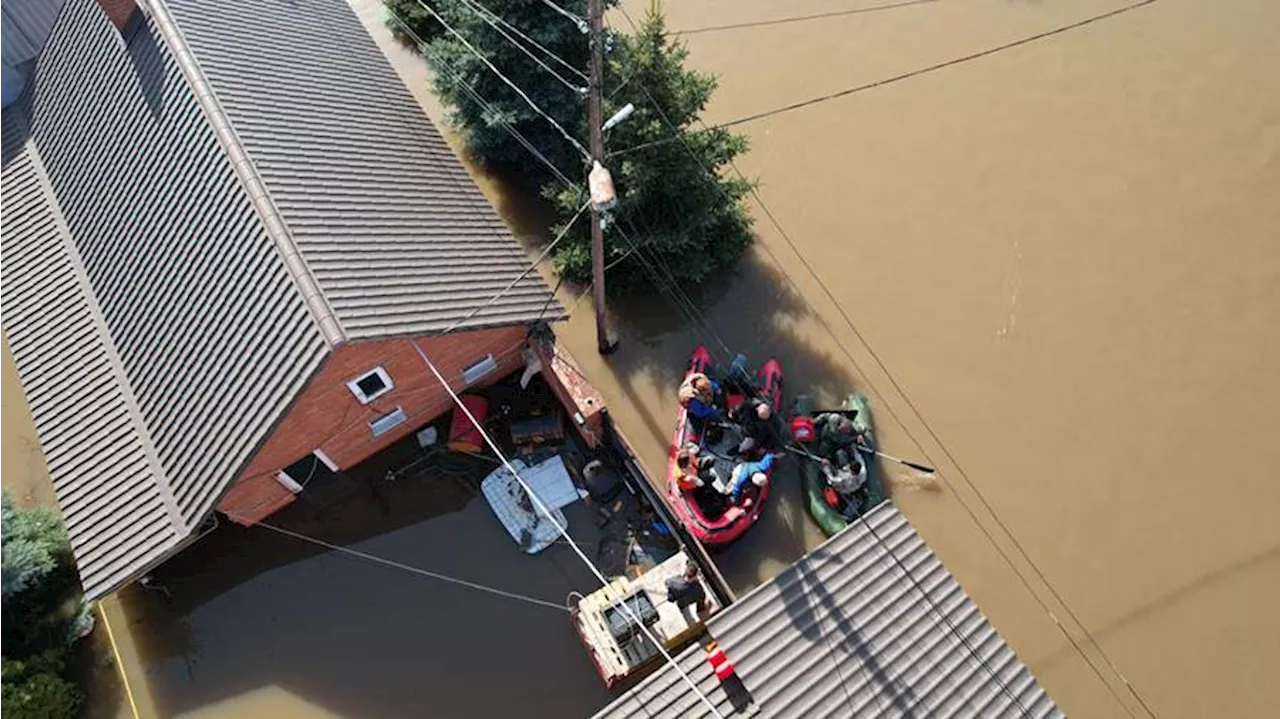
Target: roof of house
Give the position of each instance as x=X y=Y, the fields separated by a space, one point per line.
x=844 y=632
x=395 y=232
x=162 y=320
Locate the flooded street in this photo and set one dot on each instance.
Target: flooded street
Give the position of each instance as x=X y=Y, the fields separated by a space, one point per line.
x=1065 y=253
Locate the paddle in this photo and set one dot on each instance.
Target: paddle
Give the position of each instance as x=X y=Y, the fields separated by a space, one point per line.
x=891 y=458
x=916 y=466
x=851 y=413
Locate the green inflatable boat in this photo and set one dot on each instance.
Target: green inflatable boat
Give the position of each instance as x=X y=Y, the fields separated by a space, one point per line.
x=871 y=494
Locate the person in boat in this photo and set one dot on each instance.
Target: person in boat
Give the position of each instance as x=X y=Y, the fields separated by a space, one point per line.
x=838 y=439
x=754 y=472
x=699 y=395
x=689 y=463
x=759 y=427
x=846 y=480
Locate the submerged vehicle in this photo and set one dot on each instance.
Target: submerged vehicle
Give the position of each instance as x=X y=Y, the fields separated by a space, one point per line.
x=708 y=514
x=825 y=505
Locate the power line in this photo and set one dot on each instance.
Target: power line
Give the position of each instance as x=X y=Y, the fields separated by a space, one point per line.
x=516 y=88
x=564 y=63
x=412 y=569
x=492 y=21
x=666 y=284
x=471 y=92
x=801 y=18
x=546 y=512
x=900 y=77
x=712 y=177
x=581 y=22
x=534 y=265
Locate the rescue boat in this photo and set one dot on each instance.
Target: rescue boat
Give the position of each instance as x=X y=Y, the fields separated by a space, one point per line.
x=708 y=514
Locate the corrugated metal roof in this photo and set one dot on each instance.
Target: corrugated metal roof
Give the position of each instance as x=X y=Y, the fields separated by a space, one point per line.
x=116 y=504
x=211 y=335
x=200 y=308
x=844 y=632
x=24 y=25
x=391 y=225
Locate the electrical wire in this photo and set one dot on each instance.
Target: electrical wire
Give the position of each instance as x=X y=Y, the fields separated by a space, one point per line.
x=714 y=179
x=664 y=279
x=532 y=266
x=546 y=512
x=581 y=22
x=492 y=21
x=516 y=88
x=960 y=470
x=564 y=63
x=801 y=18
x=900 y=77
x=410 y=568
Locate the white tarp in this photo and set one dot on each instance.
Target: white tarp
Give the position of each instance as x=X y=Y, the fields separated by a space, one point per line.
x=528 y=526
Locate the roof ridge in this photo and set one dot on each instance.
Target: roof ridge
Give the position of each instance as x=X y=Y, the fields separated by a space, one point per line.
x=242 y=164
x=176 y=518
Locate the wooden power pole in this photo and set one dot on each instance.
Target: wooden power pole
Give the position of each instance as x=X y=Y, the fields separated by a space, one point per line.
x=595 y=124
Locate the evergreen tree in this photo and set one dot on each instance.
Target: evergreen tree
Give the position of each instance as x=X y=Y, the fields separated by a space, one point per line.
x=39 y=589
x=673 y=202
x=460 y=77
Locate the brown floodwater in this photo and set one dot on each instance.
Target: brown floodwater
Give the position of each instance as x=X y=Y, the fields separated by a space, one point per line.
x=1066 y=254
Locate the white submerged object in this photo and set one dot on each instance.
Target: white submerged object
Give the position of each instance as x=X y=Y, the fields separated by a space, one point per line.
x=527 y=525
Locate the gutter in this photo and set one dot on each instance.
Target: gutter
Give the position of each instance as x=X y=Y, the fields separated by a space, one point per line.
x=245 y=170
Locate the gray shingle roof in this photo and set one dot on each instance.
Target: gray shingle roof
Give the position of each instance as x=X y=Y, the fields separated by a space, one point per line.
x=98 y=453
x=844 y=633
x=159 y=327
x=397 y=235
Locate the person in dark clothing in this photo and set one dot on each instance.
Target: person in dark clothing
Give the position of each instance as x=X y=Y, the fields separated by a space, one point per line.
x=838 y=438
x=686 y=591
x=759 y=427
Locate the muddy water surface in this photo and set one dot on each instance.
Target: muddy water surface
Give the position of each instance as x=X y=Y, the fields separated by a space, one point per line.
x=1066 y=252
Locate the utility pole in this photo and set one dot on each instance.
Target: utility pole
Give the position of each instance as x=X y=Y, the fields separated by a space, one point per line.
x=595 y=124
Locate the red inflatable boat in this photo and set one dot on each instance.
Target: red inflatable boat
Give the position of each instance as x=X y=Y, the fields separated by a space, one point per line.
x=710 y=516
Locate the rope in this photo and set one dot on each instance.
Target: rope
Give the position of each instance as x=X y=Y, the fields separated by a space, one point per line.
x=542 y=508
x=415 y=570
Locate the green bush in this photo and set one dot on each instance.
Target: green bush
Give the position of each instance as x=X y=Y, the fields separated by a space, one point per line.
x=34 y=688
x=39 y=589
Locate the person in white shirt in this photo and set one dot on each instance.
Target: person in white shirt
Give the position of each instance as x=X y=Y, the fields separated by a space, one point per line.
x=846 y=480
